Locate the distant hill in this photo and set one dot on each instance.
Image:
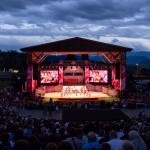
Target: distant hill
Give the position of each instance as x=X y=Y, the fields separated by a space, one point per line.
x=138 y=60
x=56 y=58
x=141 y=58
x=140 y=53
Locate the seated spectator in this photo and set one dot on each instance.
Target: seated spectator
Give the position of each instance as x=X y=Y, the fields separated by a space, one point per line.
x=92 y=143
x=126 y=129
x=4 y=141
x=114 y=142
x=127 y=145
x=75 y=139
x=64 y=145
x=144 y=131
x=27 y=131
x=18 y=134
x=22 y=145
x=118 y=130
x=137 y=141
x=105 y=146
x=51 y=146
x=106 y=131
x=34 y=143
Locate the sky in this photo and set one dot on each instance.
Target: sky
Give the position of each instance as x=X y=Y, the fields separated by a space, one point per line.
x=25 y=23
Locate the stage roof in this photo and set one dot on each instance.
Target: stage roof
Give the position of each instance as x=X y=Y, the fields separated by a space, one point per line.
x=76 y=44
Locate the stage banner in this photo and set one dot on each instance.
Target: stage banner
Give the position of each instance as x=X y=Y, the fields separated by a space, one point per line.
x=60 y=74
x=87 y=74
x=122 y=77
x=30 y=78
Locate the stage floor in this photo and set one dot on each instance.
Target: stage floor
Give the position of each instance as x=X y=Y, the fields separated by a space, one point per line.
x=74 y=93
x=73 y=96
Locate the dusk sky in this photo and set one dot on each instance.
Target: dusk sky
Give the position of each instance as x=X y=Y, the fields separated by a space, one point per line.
x=30 y=22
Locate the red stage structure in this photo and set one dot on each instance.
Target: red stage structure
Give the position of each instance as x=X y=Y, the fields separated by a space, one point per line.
x=116 y=56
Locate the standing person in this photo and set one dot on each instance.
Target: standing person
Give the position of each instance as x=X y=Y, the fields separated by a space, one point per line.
x=44 y=110
x=50 y=110
x=57 y=109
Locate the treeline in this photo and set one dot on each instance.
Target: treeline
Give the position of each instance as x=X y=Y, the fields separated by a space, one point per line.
x=12 y=59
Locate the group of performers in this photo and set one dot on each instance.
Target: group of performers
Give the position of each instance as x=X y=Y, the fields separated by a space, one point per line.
x=74 y=90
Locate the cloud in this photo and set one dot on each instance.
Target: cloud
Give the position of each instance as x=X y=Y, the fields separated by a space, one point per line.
x=56 y=19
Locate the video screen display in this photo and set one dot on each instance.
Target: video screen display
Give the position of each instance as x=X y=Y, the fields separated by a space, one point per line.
x=49 y=76
x=98 y=76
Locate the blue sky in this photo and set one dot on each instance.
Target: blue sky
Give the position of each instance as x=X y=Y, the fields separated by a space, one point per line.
x=31 y=22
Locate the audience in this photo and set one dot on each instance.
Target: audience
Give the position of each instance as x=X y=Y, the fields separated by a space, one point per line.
x=64 y=145
x=127 y=145
x=51 y=146
x=114 y=142
x=22 y=145
x=105 y=146
x=27 y=133
x=92 y=143
x=137 y=141
x=75 y=138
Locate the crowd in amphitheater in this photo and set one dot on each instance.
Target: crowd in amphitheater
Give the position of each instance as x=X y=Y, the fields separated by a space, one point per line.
x=26 y=133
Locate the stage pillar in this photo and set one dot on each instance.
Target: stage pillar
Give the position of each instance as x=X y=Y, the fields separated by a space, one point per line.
x=115 y=81
x=122 y=77
x=87 y=74
x=30 y=78
x=113 y=76
x=119 y=83
x=61 y=75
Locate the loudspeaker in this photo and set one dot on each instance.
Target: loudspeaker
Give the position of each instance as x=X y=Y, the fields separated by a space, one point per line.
x=117 y=71
x=35 y=71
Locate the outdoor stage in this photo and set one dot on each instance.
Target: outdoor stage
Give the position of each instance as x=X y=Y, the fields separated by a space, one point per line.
x=78 y=93
x=99 y=67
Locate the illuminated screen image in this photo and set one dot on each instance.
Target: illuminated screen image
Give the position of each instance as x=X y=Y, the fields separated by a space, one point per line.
x=49 y=76
x=98 y=76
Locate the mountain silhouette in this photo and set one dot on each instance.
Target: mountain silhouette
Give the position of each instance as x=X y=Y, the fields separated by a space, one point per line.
x=142 y=57
x=133 y=58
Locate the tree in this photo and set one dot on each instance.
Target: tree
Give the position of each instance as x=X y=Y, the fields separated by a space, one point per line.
x=16 y=61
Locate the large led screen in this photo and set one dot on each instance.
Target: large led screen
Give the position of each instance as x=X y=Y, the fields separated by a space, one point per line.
x=98 y=76
x=49 y=76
